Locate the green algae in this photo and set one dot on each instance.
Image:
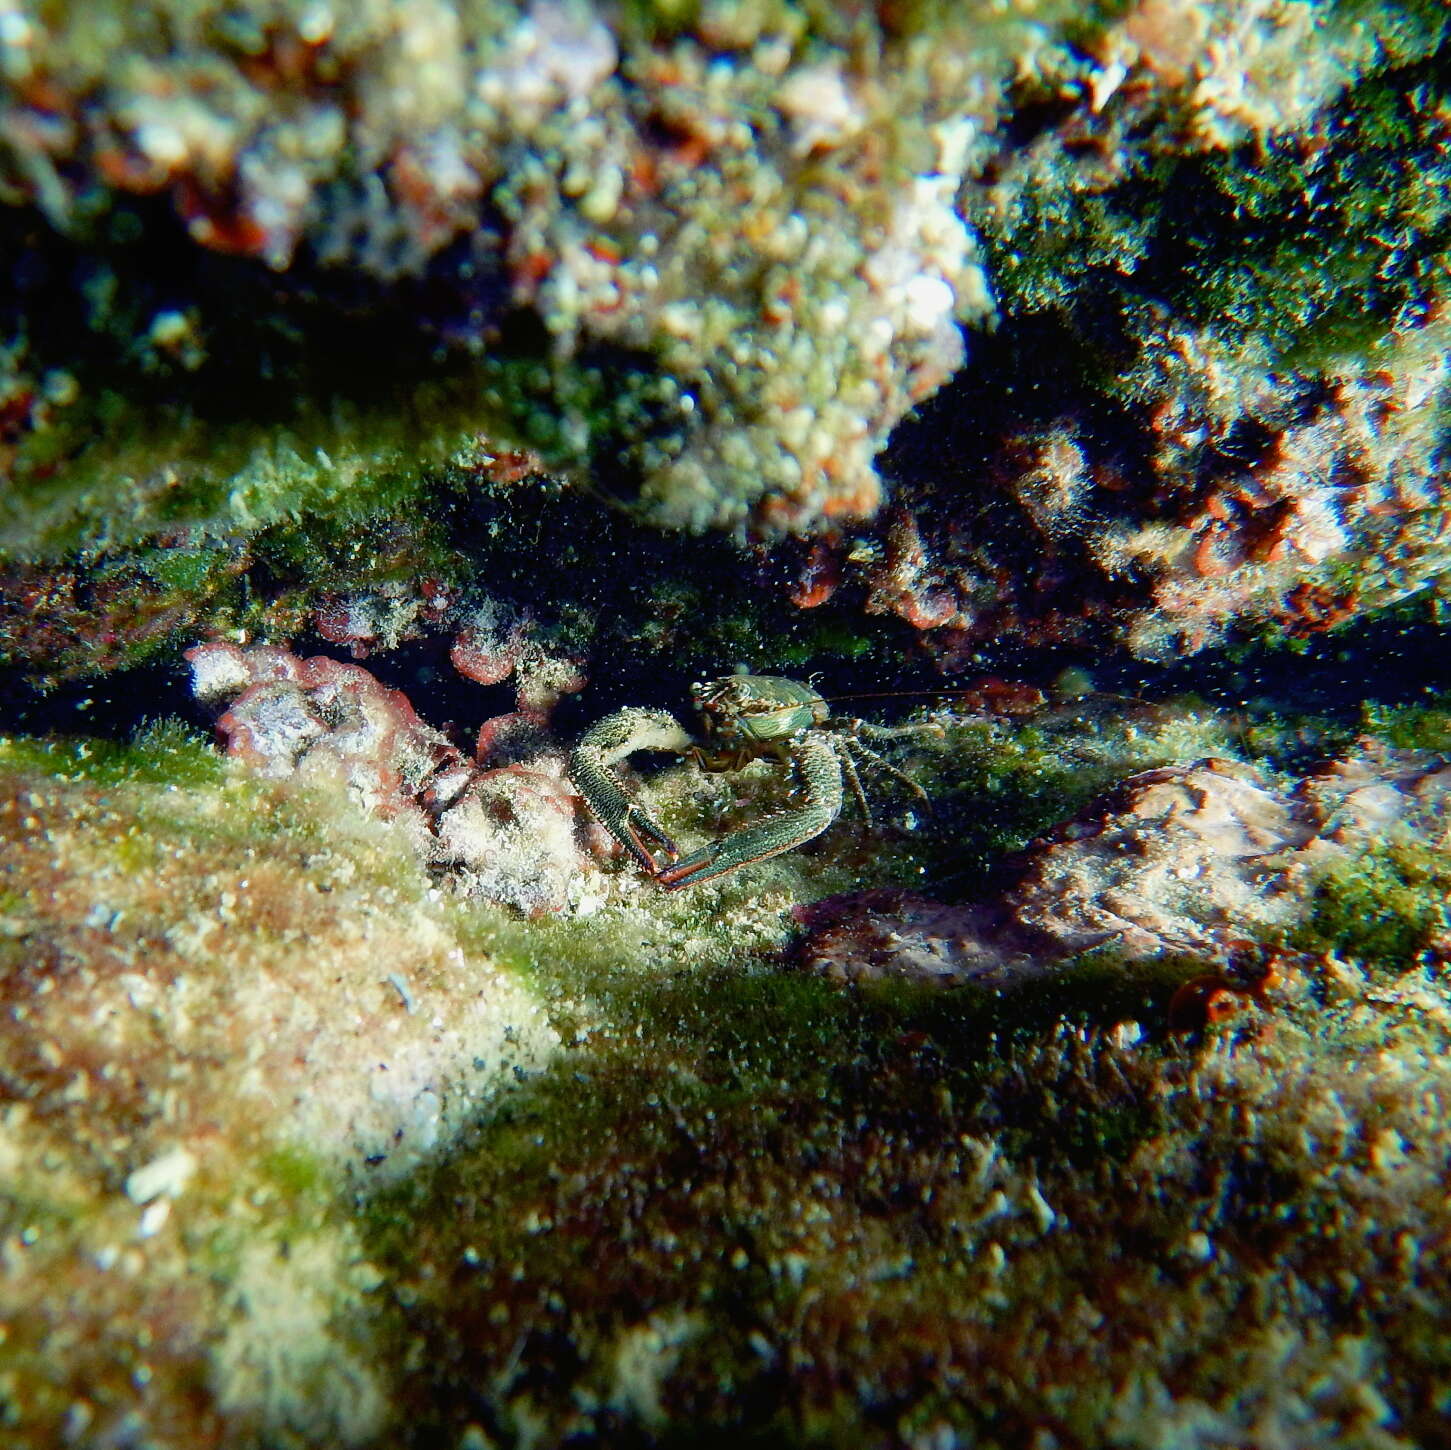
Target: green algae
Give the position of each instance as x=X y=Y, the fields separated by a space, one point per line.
x=1384 y=909
x=832 y=639
x=296 y=1174
x=149 y=472
x=183 y=570
x=1300 y=251
x=1330 y=246
x=824 y=1206
x=994 y=786
x=164 y=752
x=1409 y=727
x=598 y=1152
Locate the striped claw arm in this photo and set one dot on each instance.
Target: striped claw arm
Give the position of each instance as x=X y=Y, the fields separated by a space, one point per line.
x=819 y=771
x=591 y=770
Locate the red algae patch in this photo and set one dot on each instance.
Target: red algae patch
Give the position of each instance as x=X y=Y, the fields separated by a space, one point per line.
x=506 y=834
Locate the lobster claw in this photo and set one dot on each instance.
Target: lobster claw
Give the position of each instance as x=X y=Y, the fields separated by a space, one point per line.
x=819 y=769
x=591 y=765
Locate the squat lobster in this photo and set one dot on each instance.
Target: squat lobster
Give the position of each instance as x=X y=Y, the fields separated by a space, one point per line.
x=744 y=718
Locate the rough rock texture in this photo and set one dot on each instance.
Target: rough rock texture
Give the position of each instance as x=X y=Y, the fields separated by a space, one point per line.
x=509 y=832
x=1233 y=497
x=747 y=220
x=352 y=1093
x=1189 y=859
x=123 y=903
x=223 y=1000
x=302 y=1150
x=974 y=1231
x=1222 y=346
x=292 y=268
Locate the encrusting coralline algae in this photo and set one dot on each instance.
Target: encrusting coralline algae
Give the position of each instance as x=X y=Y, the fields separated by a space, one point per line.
x=508 y=831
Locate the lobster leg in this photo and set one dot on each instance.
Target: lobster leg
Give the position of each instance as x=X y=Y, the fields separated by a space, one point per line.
x=819 y=768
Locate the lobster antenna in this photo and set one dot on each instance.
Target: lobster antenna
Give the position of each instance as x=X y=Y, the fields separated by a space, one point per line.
x=900 y=694
x=873 y=695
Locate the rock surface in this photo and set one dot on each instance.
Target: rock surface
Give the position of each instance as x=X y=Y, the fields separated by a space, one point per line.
x=1189 y=859
x=413 y=364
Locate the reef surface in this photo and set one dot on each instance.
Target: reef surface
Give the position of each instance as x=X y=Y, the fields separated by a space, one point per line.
x=387 y=392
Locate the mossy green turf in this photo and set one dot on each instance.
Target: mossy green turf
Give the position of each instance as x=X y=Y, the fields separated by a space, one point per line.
x=1329 y=246
x=314 y=453
x=164 y=752
x=140 y=472
x=1297 y=249
x=1385 y=909
x=831 y=1204
x=753 y=1147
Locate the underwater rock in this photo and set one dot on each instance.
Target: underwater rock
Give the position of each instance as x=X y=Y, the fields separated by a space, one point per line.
x=342 y=1100
x=1187 y=860
x=958 y=1218
x=507 y=833
x=129 y=917
x=863 y=935
x=708 y=262
x=228 y=1000
x=1238 y=499
x=1217 y=399
x=729 y=221
x=271 y=1176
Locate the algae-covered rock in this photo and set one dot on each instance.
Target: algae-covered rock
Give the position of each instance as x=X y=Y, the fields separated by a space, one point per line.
x=1216 y=403
x=226 y=1008
x=436 y=377
x=290 y=277
x=1189 y=859
x=306 y=1148
x=729 y=244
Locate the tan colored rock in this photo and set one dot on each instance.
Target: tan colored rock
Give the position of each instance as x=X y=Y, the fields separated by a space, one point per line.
x=1183 y=858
